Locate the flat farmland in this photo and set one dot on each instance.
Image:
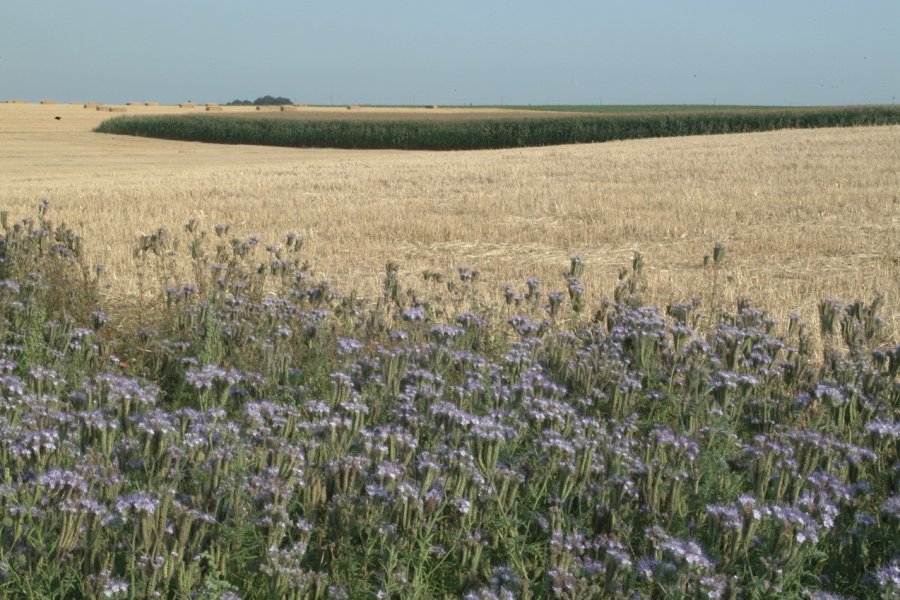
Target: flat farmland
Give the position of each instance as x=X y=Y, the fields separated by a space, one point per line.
x=804 y=214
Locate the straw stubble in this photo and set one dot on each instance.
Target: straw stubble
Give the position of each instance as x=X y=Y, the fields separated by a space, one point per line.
x=804 y=215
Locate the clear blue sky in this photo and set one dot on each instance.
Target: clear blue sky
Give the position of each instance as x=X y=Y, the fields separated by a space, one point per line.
x=400 y=52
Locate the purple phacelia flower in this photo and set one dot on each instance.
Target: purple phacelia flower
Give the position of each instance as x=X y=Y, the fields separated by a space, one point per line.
x=728 y=517
x=884 y=427
x=469 y=320
x=414 y=313
x=829 y=393
x=60 y=479
x=205 y=378
x=444 y=333
x=888 y=577
x=463 y=506
x=891 y=506
x=135 y=504
x=348 y=346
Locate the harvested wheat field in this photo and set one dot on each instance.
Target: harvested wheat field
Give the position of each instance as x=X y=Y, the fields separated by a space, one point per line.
x=804 y=215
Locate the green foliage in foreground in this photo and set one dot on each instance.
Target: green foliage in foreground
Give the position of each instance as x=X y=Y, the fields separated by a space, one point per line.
x=486 y=133
x=257 y=435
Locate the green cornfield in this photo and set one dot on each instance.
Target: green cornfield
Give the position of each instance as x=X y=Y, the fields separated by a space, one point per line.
x=475 y=134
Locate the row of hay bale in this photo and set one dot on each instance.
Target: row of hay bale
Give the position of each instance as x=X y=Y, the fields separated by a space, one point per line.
x=104 y=108
x=357 y=107
x=19 y=101
x=210 y=106
x=283 y=107
x=96 y=104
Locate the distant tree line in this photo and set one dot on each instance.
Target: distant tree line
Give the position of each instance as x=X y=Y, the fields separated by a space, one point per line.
x=264 y=101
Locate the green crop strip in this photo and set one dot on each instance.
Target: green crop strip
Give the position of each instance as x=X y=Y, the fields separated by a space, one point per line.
x=474 y=134
x=651 y=108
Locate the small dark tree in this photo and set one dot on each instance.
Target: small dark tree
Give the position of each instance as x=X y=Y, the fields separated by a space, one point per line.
x=262 y=101
x=272 y=101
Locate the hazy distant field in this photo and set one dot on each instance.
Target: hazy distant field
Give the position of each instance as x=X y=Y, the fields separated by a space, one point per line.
x=804 y=214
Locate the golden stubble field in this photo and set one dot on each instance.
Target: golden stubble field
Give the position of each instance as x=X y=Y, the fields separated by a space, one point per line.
x=804 y=214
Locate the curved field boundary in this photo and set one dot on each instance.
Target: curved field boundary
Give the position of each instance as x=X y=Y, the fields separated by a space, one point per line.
x=474 y=134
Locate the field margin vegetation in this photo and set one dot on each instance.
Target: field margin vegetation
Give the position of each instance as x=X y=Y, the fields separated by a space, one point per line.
x=259 y=435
